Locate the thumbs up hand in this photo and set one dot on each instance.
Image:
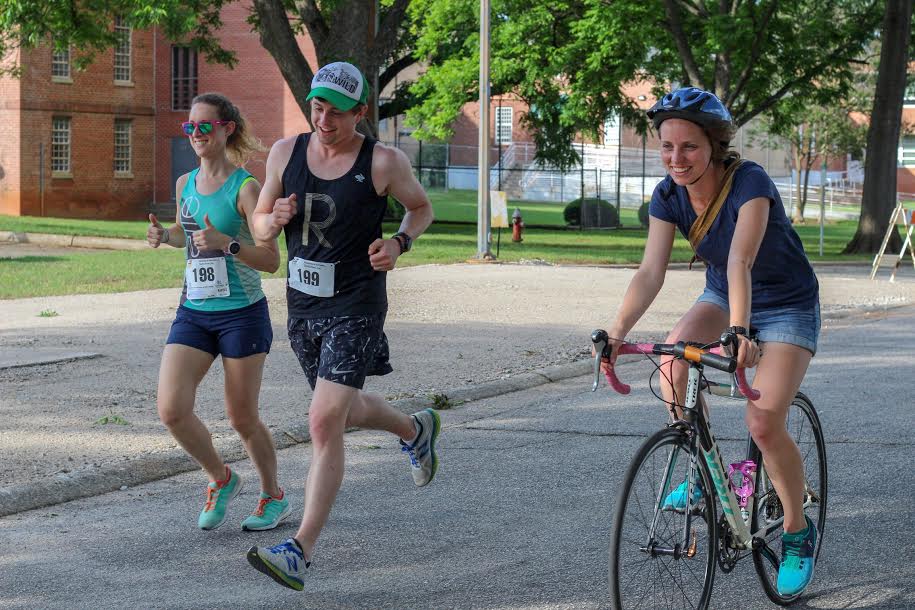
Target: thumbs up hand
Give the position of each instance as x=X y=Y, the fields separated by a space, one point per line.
x=283 y=210
x=155 y=234
x=209 y=238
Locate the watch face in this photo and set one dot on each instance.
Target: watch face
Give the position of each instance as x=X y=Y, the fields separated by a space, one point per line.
x=234 y=248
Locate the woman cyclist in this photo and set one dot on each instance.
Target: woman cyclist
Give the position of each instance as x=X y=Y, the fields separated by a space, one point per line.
x=757 y=274
x=222 y=311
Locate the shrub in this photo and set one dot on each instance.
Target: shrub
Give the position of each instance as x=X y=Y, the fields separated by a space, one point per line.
x=395 y=211
x=598 y=213
x=643 y=215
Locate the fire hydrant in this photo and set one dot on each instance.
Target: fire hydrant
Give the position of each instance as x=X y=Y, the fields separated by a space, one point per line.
x=517 y=225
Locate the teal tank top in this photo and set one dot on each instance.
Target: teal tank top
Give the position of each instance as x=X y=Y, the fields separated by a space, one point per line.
x=244 y=283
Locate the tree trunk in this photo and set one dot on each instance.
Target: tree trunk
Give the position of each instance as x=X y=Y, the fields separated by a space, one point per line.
x=805 y=158
x=344 y=31
x=879 y=197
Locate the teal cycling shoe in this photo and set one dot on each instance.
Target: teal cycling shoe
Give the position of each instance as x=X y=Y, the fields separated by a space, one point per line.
x=676 y=500
x=798 y=551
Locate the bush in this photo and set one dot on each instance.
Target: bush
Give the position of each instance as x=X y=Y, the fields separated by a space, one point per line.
x=395 y=211
x=598 y=213
x=643 y=215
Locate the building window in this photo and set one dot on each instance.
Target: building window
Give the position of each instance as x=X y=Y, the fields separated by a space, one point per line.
x=60 y=145
x=60 y=65
x=122 y=128
x=184 y=77
x=121 y=51
x=907 y=151
x=504 y=124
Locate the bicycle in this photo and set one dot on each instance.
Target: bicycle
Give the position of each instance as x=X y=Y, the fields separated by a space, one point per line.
x=665 y=557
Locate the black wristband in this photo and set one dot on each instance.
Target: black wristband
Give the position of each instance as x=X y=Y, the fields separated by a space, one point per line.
x=738 y=330
x=405 y=241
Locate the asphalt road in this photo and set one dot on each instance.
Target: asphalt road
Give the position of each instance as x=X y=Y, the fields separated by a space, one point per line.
x=518 y=516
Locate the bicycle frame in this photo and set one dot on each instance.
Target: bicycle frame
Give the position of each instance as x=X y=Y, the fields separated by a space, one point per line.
x=702 y=441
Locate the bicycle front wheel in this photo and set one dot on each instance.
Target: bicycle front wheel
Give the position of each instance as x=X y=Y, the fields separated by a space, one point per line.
x=663 y=556
x=804 y=427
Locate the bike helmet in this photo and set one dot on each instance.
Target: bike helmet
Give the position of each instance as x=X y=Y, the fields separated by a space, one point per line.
x=691 y=104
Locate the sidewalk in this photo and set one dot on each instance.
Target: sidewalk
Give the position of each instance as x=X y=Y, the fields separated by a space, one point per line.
x=463 y=331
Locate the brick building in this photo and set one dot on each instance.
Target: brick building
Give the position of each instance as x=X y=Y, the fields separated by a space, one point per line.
x=105 y=142
x=71 y=140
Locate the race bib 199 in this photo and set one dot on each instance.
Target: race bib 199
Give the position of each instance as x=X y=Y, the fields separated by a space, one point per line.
x=206 y=278
x=315 y=279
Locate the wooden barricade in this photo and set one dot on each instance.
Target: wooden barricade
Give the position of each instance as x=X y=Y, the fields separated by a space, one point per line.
x=906 y=219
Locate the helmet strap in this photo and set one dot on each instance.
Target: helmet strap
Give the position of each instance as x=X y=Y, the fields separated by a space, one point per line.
x=703 y=172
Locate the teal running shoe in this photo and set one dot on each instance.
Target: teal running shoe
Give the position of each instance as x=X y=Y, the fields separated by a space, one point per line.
x=798 y=552
x=676 y=500
x=269 y=513
x=423 y=459
x=285 y=563
x=218 y=497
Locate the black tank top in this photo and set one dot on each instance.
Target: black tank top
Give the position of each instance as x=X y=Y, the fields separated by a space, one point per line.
x=335 y=223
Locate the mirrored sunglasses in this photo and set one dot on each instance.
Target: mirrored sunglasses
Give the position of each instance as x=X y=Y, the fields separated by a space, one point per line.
x=205 y=127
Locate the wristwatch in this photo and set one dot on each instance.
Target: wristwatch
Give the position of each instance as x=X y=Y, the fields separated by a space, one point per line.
x=405 y=241
x=233 y=248
x=737 y=330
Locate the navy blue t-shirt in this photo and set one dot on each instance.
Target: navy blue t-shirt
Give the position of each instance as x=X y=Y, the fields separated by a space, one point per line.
x=781 y=274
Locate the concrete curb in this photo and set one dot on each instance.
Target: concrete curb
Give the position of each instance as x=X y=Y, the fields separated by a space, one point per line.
x=87 y=483
x=73 y=241
x=4 y=366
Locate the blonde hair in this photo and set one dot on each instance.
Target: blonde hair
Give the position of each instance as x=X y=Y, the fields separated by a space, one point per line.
x=242 y=144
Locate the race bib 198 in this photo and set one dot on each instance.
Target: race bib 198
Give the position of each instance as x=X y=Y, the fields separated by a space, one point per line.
x=206 y=278
x=315 y=279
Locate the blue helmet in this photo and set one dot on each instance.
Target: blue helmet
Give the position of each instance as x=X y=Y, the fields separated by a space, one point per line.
x=691 y=104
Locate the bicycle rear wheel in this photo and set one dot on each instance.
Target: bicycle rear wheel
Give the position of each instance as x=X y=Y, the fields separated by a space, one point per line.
x=804 y=427
x=653 y=564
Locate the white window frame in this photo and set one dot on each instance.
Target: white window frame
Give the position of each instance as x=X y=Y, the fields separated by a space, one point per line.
x=123 y=148
x=61 y=145
x=907 y=150
x=60 y=66
x=123 y=53
x=503 y=124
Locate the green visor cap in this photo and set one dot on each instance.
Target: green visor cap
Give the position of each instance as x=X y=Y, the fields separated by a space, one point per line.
x=341 y=84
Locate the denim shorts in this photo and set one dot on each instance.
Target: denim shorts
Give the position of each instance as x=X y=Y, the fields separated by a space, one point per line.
x=235 y=333
x=792 y=324
x=343 y=349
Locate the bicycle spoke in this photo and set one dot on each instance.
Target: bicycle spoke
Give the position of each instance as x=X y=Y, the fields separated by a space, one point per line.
x=644 y=571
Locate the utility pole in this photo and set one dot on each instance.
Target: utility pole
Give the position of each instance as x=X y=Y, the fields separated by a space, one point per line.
x=483 y=214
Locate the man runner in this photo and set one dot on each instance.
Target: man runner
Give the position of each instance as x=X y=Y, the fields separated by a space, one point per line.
x=328 y=191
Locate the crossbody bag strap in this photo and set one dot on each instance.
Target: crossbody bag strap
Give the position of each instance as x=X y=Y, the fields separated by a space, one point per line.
x=703 y=223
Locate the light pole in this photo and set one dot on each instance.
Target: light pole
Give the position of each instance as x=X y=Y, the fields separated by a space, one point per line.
x=483 y=218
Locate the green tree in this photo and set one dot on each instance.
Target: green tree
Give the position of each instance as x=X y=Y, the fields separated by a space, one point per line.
x=87 y=26
x=821 y=134
x=340 y=30
x=569 y=59
x=879 y=197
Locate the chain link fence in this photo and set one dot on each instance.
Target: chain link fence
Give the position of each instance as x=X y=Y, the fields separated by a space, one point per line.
x=617 y=177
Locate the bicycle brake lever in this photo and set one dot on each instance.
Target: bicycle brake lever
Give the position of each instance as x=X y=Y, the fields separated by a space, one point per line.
x=600 y=340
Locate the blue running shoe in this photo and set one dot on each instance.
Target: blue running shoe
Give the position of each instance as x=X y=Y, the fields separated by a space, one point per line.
x=285 y=563
x=423 y=459
x=796 y=569
x=676 y=500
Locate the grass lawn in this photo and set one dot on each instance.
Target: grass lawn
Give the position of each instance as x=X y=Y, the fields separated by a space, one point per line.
x=99 y=271
x=127 y=229
x=461 y=206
